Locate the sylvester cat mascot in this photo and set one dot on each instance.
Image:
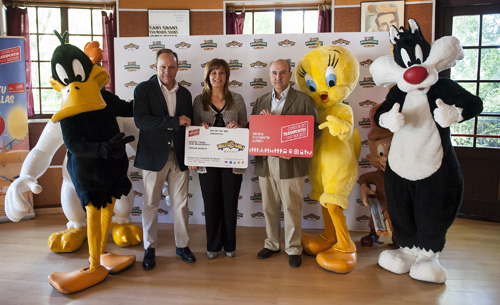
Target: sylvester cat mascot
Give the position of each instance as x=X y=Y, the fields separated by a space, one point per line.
x=423 y=181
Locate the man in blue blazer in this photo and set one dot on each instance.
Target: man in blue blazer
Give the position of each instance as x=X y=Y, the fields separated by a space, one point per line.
x=162 y=110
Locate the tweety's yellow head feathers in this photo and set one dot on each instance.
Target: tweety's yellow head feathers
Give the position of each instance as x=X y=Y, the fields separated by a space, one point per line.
x=328 y=74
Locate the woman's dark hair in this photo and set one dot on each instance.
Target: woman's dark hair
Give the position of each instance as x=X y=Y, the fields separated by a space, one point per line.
x=206 y=94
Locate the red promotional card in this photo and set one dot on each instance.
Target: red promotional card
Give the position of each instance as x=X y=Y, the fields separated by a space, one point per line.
x=281 y=135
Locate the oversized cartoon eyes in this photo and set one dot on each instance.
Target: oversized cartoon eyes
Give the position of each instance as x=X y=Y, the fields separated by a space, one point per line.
x=330 y=77
x=310 y=83
x=62 y=75
x=380 y=150
x=78 y=70
x=406 y=58
x=419 y=55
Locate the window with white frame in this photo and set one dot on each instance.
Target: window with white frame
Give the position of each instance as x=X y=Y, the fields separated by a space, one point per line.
x=84 y=24
x=289 y=21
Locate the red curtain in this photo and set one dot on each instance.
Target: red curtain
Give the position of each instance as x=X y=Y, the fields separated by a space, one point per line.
x=325 y=20
x=108 y=48
x=18 y=25
x=235 y=22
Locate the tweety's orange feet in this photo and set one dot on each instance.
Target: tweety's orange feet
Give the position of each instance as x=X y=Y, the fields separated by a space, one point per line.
x=336 y=261
x=78 y=280
x=125 y=235
x=115 y=262
x=314 y=244
x=68 y=240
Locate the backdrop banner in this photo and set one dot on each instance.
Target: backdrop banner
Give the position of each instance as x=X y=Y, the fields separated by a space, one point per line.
x=14 y=138
x=249 y=57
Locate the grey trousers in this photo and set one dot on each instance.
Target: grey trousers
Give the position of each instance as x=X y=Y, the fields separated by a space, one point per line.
x=178 y=182
x=289 y=192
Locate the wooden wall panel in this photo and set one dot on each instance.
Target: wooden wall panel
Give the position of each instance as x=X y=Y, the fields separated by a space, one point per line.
x=175 y=5
x=423 y=14
x=133 y=23
x=207 y=23
x=50 y=196
x=347 y=19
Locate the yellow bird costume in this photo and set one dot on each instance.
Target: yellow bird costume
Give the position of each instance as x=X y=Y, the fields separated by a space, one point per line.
x=329 y=74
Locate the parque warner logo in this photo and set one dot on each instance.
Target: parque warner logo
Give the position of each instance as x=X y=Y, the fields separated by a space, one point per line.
x=369 y=42
x=230 y=145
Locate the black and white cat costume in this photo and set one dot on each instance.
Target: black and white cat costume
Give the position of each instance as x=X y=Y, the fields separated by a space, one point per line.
x=423 y=181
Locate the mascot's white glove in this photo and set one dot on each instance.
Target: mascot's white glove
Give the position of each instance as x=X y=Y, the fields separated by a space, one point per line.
x=15 y=203
x=445 y=115
x=393 y=119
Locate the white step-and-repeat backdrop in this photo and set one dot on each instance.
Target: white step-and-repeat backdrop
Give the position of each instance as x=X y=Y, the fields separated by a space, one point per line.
x=249 y=57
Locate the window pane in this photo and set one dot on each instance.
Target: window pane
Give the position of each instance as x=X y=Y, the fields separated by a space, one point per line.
x=48 y=43
x=97 y=21
x=490 y=58
x=311 y=21
x=490 y=94
x=81 y=41
x=487 y=125
x=466 y=29
x=488 y=142
x=491 y=30
x=34 y=74
x=51 y=101
x=247 y=26
x=264 y=22
x=462 y=141
x=466 y=69
x=292 y=22
x=49 y=19
x=45 y=74
x=32 y=19
x=466 y=127
x=33 y=48
x=36 y=101
x=79 y=21
x=471 y=87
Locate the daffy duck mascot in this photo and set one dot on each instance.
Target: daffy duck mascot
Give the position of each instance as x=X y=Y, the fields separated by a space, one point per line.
x=423 y=181
x=97 y=162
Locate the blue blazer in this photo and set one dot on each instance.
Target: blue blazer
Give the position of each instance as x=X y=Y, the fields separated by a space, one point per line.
x=157 y=127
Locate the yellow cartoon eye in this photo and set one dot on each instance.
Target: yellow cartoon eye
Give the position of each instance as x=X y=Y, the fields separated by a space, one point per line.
x=310 y=83
x=330 y=77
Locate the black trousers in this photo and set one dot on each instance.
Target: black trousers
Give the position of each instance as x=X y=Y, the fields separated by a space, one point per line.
x=423 y=210
x=220 y=189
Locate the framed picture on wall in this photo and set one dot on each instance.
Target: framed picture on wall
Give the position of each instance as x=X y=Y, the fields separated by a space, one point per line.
x=168 y=23
x=378 y=16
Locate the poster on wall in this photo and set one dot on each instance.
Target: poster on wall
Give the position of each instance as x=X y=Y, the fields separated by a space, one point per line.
x=379 y=16
x=249 y=57
x=14 y=141
x=168 y=23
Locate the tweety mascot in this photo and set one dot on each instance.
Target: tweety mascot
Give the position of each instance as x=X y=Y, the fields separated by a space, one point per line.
x=329 y=74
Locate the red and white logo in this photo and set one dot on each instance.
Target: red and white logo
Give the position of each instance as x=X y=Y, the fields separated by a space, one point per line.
x=294 y=131
x=194 y=132
x=10 y=55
